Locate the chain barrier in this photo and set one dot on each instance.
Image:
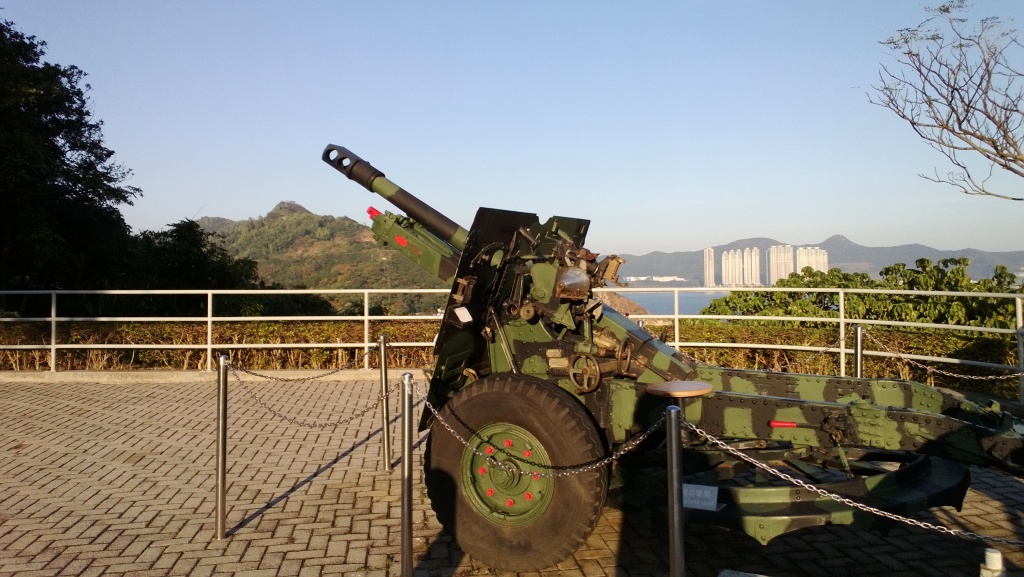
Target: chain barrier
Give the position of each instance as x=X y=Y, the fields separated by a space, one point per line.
x=564 y=470
x=556 y=471
x=552 y=471
x=836 y=346
x=844 y=500
x=1013 y=374
x=298 y=379
x=302 y=422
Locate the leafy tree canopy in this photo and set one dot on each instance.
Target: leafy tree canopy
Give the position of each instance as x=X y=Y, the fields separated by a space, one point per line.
x=947 y=275
x=60 y=227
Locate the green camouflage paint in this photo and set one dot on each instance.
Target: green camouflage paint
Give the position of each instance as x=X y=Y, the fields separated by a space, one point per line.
x=522 y=302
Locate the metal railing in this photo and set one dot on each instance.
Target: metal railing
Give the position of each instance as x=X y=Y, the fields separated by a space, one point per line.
x=843 y=322
x=211 y=317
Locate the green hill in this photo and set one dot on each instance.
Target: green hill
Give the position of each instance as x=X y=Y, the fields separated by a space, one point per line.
x=295 y=248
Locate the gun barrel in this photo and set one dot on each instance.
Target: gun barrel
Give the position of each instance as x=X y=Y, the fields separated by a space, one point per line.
x=363 y=173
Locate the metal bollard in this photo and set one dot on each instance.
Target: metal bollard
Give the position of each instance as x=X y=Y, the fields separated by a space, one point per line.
x=993 y=565
x=407 y=475
x=858 y=356
x=222 y=443
x=1020 y=348
x=385 y=414
x=676 y=556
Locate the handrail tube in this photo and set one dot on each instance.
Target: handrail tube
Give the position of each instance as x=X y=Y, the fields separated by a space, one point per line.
x=200 y=346
x=836 y=320
x=714 y=345
x=445 y=291
x=210 y=319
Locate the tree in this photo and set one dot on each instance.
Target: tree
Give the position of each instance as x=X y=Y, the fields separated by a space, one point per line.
x=184 y=256
x=960 y=90
x=947 y=275
x=60 y=226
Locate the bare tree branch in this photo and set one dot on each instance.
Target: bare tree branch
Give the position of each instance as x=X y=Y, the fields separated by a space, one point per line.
x=958 y=89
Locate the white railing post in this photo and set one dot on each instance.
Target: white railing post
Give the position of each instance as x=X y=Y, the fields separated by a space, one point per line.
x=209 y=331
x=842 y=333
x=53 y=332
x=366 y=329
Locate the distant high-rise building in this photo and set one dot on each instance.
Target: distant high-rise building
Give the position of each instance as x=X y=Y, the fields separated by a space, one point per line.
x=728 y=268
x=709 y=267
x=813 y=257
x=741 y=267
x=751 y=266
x=780 y=263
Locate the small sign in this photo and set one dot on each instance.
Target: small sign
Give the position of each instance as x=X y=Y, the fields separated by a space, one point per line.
x=462 y=313
x=703 y=497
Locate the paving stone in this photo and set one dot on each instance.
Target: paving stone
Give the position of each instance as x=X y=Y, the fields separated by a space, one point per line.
x=115 y=475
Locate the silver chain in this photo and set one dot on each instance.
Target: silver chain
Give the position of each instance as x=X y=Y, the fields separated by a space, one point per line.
x=844 y=500
x=837 y=345
x=563 y=471
x=302 y=422
x=297 y=379
x=899 y=355
x=633 y=443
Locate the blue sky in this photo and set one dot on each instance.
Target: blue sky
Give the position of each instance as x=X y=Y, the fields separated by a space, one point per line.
x=671 y=125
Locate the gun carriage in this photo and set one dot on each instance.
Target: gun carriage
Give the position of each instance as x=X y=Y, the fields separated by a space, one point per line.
x=535 y=374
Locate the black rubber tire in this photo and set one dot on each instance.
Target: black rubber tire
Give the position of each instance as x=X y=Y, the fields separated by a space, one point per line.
x=568 y=436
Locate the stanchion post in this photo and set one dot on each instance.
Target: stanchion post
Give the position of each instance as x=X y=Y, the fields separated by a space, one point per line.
x=385 y=410
x=676 y=558
x=858 y=356
x=407 y=475
x=676 y=437
x=222 y=443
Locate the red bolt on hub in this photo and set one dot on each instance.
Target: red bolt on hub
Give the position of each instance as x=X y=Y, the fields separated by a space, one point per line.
x=509 y=503
x=527 y=453
x=536 y=477
x=508 y=442
x=528 y=496
x=482 y=470
x=490 y=492
x=489 y=450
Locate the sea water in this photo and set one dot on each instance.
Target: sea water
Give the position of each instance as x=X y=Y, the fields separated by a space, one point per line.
x=690 y=303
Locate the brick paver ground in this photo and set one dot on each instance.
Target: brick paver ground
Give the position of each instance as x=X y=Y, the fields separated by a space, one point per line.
x=114 y=474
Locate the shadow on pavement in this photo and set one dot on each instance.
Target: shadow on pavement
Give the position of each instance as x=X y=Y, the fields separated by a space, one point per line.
x=833 y=551
x=280 y=498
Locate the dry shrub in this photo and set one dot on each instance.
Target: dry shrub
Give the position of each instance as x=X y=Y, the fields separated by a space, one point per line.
x=348 y=335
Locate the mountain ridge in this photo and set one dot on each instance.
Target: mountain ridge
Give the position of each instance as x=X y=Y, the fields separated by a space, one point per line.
x=295 y=247
x=843 y=254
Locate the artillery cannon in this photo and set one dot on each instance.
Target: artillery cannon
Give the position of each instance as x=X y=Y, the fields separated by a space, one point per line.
x=535 y=374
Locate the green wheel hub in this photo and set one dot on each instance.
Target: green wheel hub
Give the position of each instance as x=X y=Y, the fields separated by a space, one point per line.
x=511 y=494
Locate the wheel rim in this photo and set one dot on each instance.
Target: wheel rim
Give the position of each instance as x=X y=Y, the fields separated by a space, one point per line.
x=507 y=495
